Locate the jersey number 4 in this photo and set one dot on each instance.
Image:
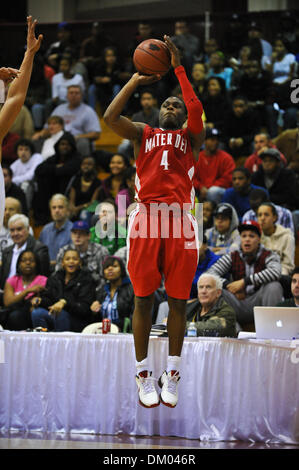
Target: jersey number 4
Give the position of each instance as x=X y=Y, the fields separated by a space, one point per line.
x=164 y=160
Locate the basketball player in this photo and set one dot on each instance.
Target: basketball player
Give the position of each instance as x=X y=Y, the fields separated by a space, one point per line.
x=165 y=160
x=16 y=94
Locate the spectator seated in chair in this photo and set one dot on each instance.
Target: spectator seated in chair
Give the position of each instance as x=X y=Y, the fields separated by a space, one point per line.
x=262 y=142
x=57 y=233
x=53 y=175
x=18 y=226
x=21 y=291
x=12 y=206
x=280 y=182
x=91 y=254
x=64 y=305
x=259 y=196
x=107 y=231
x=224 y=236
x=212 y=315
x=239 y=195
x=277 y=238
x=24 y=168
x=84 y=189
x=115 y=300
x=211 y=185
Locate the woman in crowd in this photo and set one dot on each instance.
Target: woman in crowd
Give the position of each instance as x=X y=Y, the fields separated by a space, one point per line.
x=22 y=290
x=64 y=305
x=53 y=175
x=115 y=182
x=116 y=299
x=281 y=64
x=216 y=103
x=85 y=188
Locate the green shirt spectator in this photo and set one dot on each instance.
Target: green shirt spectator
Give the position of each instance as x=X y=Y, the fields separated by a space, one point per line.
x=113 y=242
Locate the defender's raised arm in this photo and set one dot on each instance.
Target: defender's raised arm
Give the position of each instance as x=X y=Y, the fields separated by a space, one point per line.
x=20 y=81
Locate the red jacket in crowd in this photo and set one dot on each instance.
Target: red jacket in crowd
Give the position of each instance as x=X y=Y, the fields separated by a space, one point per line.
x=214 y=170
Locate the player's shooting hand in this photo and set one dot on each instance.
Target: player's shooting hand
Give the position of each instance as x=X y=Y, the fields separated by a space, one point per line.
x=175 y=53
x=145 y=79
x=33 y=43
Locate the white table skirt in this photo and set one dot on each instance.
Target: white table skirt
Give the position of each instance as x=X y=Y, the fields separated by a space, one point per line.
x=230 y=389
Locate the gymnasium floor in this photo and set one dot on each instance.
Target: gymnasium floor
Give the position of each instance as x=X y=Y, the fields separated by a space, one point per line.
x=36 y=440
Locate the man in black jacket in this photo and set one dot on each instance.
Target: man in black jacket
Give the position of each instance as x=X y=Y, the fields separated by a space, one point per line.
x=53 y=175
x=279 y=181
x=256 y=84
x=19 y=231
x=239 y=129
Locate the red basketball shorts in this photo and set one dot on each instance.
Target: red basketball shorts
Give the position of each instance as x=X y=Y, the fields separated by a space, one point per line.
x=162 y=245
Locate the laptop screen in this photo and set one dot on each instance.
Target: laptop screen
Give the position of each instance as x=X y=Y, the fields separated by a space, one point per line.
x=276 y=322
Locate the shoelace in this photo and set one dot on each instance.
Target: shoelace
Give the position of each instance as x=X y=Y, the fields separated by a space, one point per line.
x=172 y=381
x=148 y=383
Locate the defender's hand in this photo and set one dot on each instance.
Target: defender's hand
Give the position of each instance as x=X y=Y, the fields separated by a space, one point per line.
x=7 y=74
x=33 y=43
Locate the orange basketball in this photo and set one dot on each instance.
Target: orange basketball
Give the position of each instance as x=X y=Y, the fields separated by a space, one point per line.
x=152 y=57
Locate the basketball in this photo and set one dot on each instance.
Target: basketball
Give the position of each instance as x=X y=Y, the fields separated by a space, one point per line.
x=152 y=57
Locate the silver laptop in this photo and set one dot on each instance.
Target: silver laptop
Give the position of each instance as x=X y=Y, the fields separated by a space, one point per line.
x=276 y=322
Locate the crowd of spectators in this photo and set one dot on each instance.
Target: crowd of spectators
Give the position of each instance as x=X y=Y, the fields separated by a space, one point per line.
x=246 y=178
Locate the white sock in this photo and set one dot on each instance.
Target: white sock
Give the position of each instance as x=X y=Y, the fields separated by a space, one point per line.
x=173 y=363
x=142 y=365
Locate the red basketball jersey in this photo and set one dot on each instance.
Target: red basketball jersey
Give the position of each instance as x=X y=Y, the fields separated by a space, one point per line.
x=165 y=167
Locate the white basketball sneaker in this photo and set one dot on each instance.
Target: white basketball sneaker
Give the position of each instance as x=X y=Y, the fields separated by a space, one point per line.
x=169 y=384
x=148 y=396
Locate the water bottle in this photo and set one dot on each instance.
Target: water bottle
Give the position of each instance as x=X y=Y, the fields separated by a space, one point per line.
x=192 y=331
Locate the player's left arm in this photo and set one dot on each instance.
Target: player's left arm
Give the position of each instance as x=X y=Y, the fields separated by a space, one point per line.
x=18 y=88
x=194 y=107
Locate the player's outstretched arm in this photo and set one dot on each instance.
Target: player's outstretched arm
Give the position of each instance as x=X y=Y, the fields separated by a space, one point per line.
x=193 y=105
x=21 y=78
x=120 y=124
